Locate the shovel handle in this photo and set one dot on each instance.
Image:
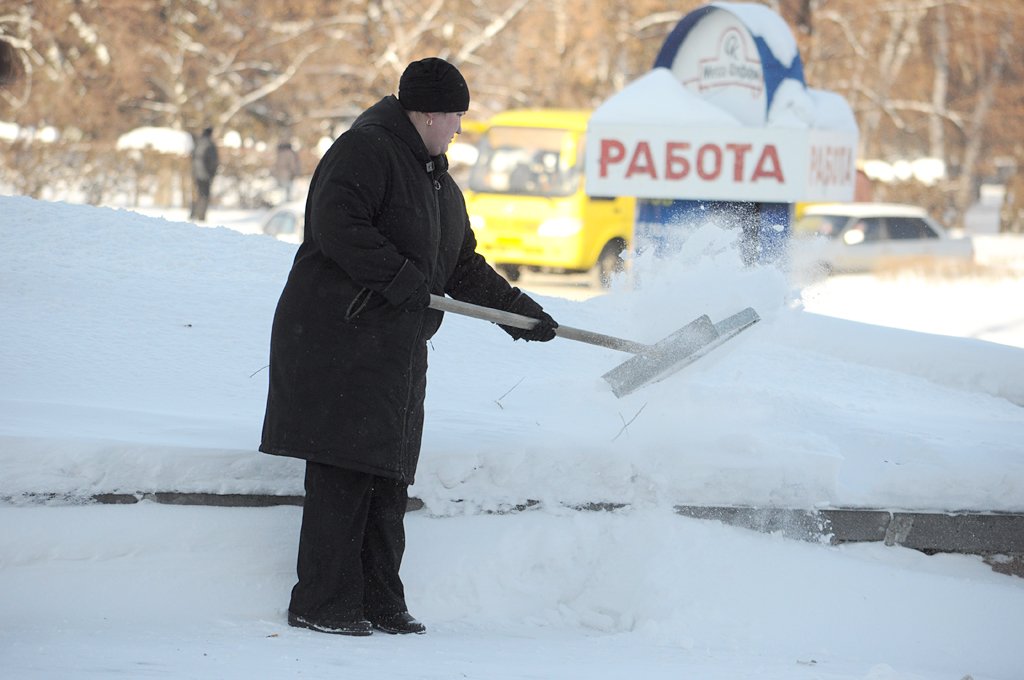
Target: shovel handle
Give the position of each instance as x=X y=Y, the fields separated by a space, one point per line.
x=519 y=321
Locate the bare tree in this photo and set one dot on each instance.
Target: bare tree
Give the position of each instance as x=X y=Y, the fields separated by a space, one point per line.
x=924 y=77
x=989 y=77
x=59 y=55
x=940 y=86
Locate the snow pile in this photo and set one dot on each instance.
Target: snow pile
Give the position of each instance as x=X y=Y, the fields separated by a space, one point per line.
x=135 y=348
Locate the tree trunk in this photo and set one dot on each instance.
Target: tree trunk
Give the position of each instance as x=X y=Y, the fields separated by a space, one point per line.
x=940 y=87
x=975 y=131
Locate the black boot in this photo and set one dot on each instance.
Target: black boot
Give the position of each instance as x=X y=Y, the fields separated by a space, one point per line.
x=357 y=627
x=399 y=624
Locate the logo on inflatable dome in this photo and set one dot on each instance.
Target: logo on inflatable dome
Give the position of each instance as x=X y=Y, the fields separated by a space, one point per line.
x=734 y=64
x=723 y=54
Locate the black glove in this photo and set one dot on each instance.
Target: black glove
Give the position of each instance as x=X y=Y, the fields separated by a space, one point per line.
x=418 y=300
x=526 y=306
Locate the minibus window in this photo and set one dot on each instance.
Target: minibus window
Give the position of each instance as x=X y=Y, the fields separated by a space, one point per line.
x=525 y=161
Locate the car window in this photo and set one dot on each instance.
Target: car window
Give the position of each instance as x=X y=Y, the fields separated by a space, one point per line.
x=820 y=225
x=871 y=227
x=909 y=228
x=282 y=222
x=873 y=231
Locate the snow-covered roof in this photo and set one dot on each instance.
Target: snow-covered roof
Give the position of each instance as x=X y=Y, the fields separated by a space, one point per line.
x=164 y=140
x=8 y=131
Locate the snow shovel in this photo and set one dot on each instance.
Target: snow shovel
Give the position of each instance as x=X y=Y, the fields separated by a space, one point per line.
x=649 y=364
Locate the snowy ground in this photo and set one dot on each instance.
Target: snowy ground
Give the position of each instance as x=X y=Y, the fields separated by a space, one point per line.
x=133 y=350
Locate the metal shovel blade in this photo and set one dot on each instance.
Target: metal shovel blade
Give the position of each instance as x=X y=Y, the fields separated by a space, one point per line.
x=680 y=349
x=643 y=369
x=650 y=363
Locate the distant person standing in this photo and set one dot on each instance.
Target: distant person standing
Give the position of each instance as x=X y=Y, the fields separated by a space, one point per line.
x=286 y=168
x=1011 y=212
x=205 y=162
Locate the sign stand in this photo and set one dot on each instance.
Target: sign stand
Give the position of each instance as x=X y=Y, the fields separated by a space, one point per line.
x=723 y=129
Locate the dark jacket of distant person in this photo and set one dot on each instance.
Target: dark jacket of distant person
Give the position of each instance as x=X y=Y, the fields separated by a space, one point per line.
x=286 y=164
x=205 y=159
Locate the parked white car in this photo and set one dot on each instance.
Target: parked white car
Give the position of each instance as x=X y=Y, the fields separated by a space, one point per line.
x=859 y=237
x=286 y=222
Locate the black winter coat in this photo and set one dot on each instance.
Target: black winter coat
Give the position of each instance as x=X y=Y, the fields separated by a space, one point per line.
x=205 y=158
x=347 y=366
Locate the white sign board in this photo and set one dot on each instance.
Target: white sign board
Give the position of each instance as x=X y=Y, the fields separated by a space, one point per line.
x=773 y=165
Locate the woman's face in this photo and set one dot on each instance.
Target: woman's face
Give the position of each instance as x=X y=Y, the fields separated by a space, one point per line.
x=443 y=129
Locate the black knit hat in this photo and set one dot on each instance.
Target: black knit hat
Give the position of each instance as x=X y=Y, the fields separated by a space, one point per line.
x=433 y=85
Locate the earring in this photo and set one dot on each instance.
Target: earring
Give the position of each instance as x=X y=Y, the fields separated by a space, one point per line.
x=430 y=121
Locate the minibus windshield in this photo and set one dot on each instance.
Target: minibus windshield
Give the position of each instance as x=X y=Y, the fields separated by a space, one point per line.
x=530 y=161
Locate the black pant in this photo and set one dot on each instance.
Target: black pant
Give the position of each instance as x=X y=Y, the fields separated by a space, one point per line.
x=200 y=199
x=350 y=546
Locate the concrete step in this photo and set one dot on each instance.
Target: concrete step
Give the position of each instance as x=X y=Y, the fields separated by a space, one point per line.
x=999 y=536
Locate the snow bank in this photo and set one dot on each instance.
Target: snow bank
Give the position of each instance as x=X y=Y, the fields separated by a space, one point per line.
x=135 y=347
